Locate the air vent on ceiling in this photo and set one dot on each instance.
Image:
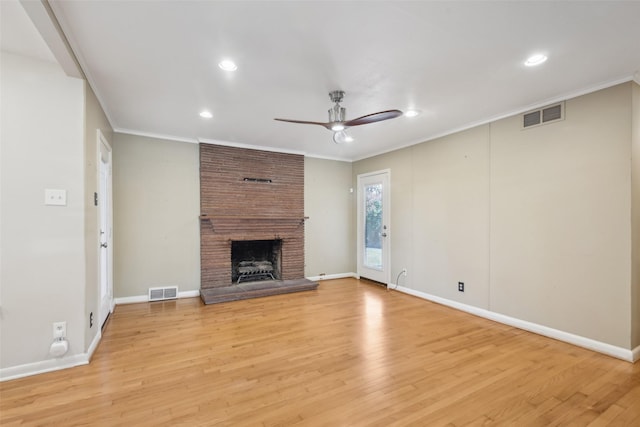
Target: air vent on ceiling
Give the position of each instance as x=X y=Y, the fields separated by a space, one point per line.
x=160 y=294
x=544 y=115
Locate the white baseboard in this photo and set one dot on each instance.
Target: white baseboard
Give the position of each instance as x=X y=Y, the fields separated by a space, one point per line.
x=42 y=367
x=145 y=298
x=588 y=343
x=94 y=345
x=332 y=276
x=189 y=294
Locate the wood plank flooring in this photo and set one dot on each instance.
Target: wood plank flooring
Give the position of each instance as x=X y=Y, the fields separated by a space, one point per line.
x=347 y=354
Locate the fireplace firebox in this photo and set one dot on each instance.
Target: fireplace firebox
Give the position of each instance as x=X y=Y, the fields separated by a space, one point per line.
x=253 y=260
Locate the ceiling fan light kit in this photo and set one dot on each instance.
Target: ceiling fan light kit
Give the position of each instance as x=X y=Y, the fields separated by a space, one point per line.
x=341 y=137
x=337 y=118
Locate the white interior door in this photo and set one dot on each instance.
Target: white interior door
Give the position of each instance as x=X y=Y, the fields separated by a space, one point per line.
x=373 y=226
x=106 y=229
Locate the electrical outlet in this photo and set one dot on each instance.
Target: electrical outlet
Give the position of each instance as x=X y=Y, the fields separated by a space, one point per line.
x=59 y=330
x=404 y=272
x=461 y=286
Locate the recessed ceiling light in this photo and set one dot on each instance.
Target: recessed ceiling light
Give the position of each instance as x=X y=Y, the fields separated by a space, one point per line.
x=206 y=114
x=228 y=65
x=534 y=60
x=411 y=113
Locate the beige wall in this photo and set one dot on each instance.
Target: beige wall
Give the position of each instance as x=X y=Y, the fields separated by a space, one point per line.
x=156 y=202
x=328 y=202
x=635 y=210
x=439 y=216
x=560 y=218
x=536 y=222
x=42 y=257
x=451 y=213
x=94 y=119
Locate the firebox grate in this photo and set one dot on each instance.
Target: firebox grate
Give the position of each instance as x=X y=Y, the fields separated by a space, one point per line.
x=255 y=270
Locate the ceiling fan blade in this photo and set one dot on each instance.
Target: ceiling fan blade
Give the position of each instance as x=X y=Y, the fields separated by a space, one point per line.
x=372 y=118
x=305 y=122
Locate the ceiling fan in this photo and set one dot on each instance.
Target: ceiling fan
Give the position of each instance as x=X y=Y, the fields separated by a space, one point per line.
x=337 y=123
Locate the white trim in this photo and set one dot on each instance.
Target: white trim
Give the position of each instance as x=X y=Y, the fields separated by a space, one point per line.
x=270 y=149
x=332 y=276
x=94 y=345
x=189 y=294
x=227 y=144
x=360 y=222
x=588 y=343
x=549 y=101
x=131 y=300
x=42 y=367
x=337 y=159
x=249 y=146
x=155 y=135
x=145 y=298
x=102 y=141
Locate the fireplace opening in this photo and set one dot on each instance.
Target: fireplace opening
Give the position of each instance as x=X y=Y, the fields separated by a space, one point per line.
x=255 y=260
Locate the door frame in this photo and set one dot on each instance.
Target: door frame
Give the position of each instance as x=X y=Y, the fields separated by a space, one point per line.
x=102 y=316
x=386 y=262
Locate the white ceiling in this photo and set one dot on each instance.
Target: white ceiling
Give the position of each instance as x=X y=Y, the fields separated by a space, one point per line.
x=153 y=64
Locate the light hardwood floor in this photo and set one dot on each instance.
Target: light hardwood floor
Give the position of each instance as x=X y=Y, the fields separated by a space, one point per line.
x=348 y=354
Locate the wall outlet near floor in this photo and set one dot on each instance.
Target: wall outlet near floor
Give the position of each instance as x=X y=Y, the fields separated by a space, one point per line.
x=404 y=272
x=59 y=330
x=461 y=286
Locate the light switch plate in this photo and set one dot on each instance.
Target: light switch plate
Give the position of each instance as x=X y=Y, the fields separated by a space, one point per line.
x=54 y=197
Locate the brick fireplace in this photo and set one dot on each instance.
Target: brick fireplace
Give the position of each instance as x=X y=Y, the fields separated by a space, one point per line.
x=249 y=195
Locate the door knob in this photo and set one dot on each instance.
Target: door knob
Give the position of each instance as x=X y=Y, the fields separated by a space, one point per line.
x=103 y=245
x=384 y=234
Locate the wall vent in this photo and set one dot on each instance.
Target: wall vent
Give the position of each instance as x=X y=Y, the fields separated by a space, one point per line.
x=161 y=294
x=551 y=113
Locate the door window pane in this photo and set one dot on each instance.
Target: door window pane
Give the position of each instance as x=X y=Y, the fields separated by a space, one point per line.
x=373 y=226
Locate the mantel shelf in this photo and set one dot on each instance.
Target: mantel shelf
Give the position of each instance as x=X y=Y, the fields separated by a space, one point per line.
x=232 y=223
x=252 y=218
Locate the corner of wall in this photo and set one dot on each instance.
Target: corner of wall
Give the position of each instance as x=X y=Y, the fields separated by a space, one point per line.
x=635 y=215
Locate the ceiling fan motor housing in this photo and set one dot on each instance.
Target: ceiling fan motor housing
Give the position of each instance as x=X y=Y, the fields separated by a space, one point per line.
x=337 y=113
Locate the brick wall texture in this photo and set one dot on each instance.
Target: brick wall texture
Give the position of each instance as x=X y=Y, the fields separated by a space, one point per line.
x=233 y=208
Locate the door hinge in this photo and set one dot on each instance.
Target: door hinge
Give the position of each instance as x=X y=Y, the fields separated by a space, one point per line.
x=95 y=199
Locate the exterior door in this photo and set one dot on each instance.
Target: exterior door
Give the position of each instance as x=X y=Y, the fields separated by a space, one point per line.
x=106 y=229
x=373 y=226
